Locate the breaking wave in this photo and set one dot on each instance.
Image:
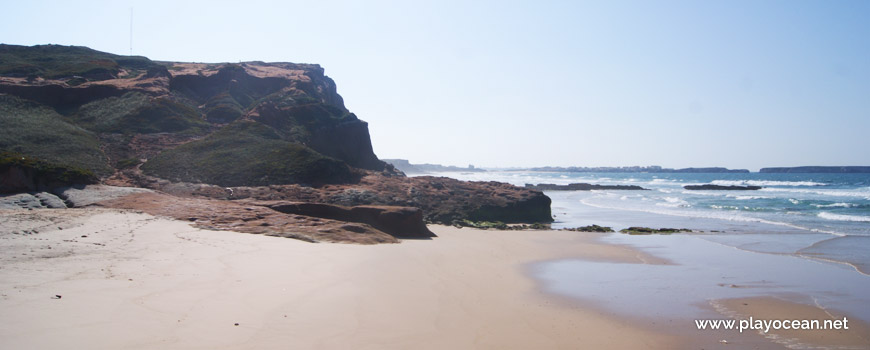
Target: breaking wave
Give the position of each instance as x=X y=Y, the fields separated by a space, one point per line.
x=765 y=183
x=840 y=217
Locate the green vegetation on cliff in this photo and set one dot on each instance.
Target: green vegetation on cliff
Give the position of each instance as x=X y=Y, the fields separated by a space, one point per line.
x=256 y=123
x=222 y=108
x=247 y=153
x=41 y=173
x=34 y=130
x=135 y=112
x=57 y=61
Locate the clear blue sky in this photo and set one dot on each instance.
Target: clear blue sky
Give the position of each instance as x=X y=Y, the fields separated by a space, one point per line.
x=742 y=84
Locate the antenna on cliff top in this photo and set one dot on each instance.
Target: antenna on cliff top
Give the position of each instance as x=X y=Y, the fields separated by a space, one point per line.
x=131 y=31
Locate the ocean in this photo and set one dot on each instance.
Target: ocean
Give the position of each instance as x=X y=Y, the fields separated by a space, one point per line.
x=816 y=216
x=802 y=235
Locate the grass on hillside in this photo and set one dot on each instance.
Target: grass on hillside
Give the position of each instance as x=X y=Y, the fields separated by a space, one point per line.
x=58 y=61
x=45 y=173
x=138 y=113
x=300 y=115
x=222 y=108
x=248 y=153
x=35 y=130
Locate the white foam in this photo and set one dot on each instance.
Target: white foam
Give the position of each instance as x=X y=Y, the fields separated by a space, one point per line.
x=835 y=205
x=862 y=192
x=674 y=202
x=840 y=217
x=794 y=201
x=718 y=215
x=764 y=183
x=704 y=193
x=742 y=198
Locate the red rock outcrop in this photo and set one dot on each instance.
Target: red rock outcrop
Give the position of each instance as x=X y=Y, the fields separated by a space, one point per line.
x=404 y=222
x=245 y=217
x=442 y=200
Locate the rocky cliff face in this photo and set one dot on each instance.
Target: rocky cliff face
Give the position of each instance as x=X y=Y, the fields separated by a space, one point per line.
x=270 y=131
x=294 y=106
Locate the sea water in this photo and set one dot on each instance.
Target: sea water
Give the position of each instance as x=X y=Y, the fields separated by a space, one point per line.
x=806 y=236
x=813 y=216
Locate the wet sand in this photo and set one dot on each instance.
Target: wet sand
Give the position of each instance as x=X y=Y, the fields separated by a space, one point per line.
x=857 y=336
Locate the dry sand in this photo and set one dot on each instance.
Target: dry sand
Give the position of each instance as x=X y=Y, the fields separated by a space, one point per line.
x=128 y=280
x=133 y=281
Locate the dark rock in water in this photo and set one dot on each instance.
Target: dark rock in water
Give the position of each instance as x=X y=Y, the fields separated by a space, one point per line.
x=634 y=230
x=498 y=225
x=590 y=228
x=583 y=187
x=709 y=187
x=406 y=222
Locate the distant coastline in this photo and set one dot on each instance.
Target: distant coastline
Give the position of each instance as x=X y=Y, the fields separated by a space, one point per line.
x=818 y=169
x=637 y=169
x=406 y=167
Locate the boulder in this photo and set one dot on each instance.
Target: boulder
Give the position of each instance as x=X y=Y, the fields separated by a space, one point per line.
x=404 y=222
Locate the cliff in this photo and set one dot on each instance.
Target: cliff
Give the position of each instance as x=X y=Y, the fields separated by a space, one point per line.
x=227 y=116
x=77 y=115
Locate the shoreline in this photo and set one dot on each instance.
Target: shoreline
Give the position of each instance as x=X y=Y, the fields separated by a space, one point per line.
x=182 y=287
x=131 y=280
x=704 y=273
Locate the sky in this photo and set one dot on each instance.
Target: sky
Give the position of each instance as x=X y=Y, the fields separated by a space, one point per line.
x=739 y=84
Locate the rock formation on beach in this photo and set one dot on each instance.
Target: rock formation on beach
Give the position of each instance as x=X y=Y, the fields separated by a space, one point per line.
x=250 y=131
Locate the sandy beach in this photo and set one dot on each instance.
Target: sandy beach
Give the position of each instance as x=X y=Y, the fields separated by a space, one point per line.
x=133 y=281
x=110 y=279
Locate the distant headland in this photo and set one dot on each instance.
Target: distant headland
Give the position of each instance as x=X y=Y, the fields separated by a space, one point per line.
x=406 y=167
x=637 y=169
x=818 y=169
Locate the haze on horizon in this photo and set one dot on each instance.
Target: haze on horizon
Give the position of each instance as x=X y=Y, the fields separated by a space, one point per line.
x=740 y=84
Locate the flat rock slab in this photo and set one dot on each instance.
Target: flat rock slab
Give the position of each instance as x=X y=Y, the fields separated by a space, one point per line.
x=34 y=200
x=405 y=222
x=80 y=196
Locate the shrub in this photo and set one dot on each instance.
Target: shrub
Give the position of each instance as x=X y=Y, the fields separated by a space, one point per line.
x=35 y=130
x=248 y=153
